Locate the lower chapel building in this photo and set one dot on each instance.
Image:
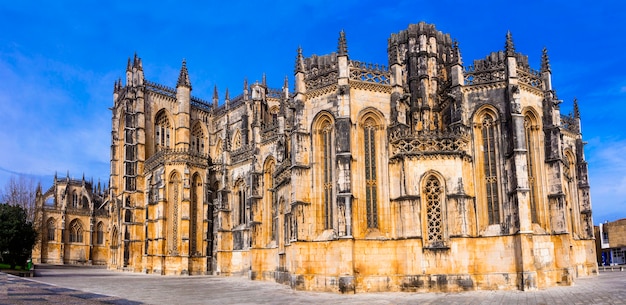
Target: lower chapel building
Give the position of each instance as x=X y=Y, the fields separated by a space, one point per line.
x=423 y=175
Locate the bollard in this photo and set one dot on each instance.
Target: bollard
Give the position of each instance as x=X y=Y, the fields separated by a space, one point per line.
x=621 y=268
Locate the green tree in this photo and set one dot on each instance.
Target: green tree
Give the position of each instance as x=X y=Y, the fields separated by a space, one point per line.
x=17 y=235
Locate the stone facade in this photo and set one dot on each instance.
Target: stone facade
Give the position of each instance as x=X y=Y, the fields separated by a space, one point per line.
x=72 y=220
x=423 y=175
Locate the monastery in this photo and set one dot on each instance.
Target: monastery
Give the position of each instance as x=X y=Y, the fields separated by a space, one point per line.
x=422 y=175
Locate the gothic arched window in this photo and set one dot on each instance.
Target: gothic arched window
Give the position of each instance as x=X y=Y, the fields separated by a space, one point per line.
x=197 y=139
x=269 y=197
x=490 y=167
x=173 y=202
x=530 y=131
x=571 y=190
x=74 y=199
x=76 y=231
x=240 y=204
x=100 y=233
x=433 y=194
x=326 y=137
x=114 y=238
x=162 y=130
x=51 y=227
x=369 y=136
x=196 y=203
x=236 y=144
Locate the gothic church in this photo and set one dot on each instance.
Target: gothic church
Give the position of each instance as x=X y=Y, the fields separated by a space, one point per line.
x=422 y=175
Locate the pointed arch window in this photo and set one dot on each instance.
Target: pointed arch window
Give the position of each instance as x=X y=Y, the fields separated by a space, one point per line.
x=174 y=196
x=114 y=238
x=237 y=140
x=490 y=168
x=74 y=199
x=270 y=199
x=51 y=227
x=531 y=145
x=570 y=177
x=369 y=135
x=241 y=204
x=100 y=233
x=327 y=159
x=433 y=193
x=76 y=231
x=197 y=139
x=196 y=193
x=162 y=131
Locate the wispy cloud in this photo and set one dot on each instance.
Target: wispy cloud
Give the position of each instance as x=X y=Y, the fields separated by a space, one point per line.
x=51 y=127
x=607 y=174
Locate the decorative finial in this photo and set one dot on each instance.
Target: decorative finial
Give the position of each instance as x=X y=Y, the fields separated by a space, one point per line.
x=264 y=80
x=545 y=60
x=227 y=95
x=286 y=83
x=576 y=109
x=245 y=84
x=183 y=78
x=299 y=61
x=128 y=66
x=342 y=46
x=509 y=47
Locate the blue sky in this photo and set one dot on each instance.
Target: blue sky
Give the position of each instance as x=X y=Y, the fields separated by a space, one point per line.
x=59 y=60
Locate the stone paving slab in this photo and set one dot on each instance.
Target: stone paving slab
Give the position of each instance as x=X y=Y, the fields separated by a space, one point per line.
x=76 y=285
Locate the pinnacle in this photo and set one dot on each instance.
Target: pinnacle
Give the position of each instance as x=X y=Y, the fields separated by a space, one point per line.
x=299 y=61
x=342 y=45
x=545 y=60
x=509 y=47
x=183 y=78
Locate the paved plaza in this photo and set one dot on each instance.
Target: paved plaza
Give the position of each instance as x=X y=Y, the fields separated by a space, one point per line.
x=89 y=285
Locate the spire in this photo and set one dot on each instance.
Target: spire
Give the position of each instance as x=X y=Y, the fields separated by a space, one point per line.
x=227 y=95
x=215 y=97
x=128 y=66
x=264 y=80
x=576 y=109
x=545 y=60
x=135 y=61
x=138 y=63
x=509 y=47
x=245 y=84
x=342 y=45
x=183 y=78
x=299 y=61
x=286 y=82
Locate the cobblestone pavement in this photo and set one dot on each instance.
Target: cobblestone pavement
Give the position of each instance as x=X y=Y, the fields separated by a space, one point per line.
x=88 y=285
